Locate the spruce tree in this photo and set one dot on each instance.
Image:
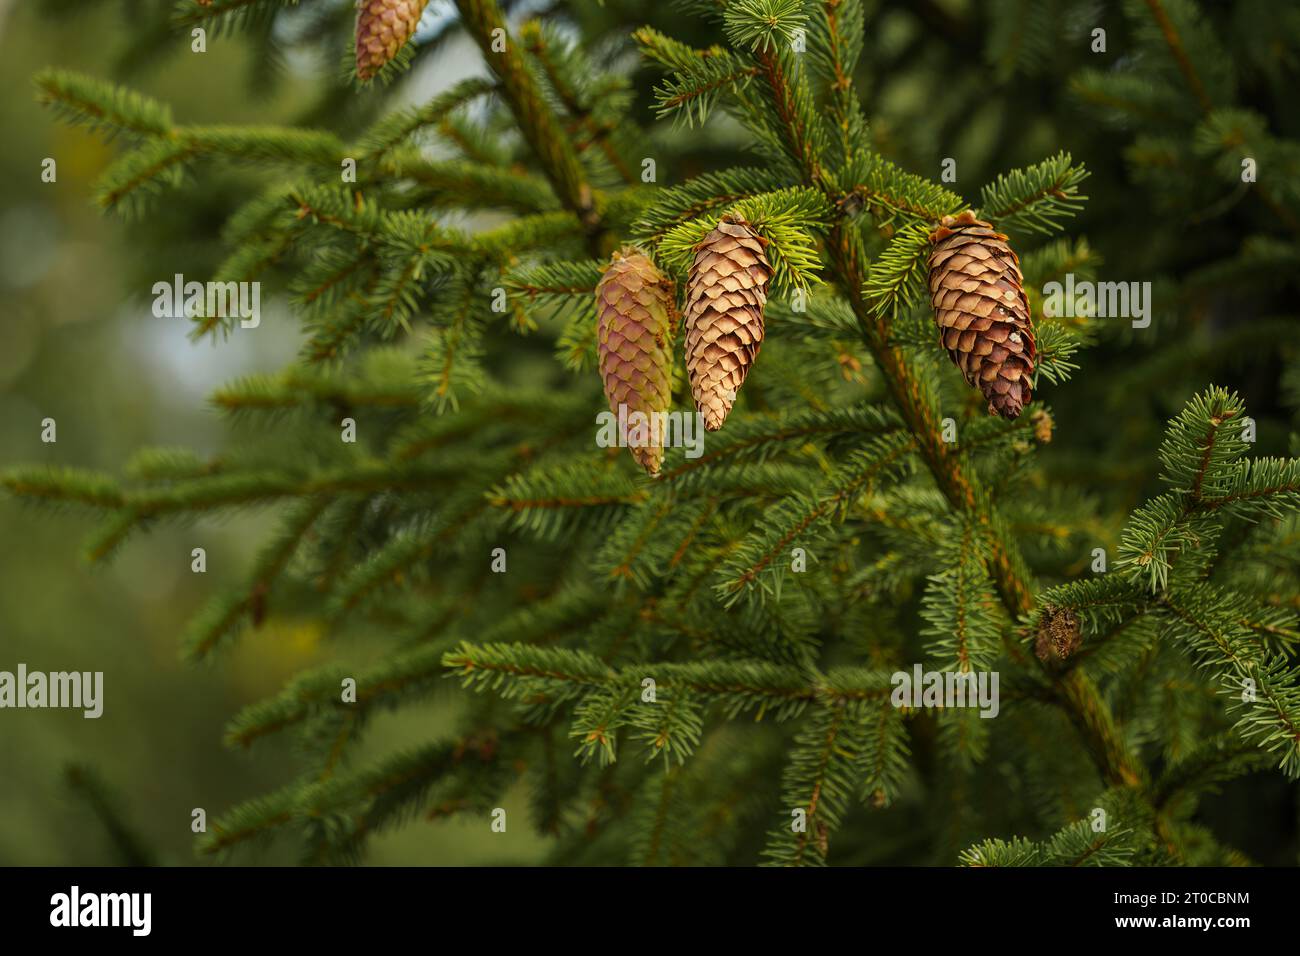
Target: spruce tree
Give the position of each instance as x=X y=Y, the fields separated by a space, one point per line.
x=699 y=667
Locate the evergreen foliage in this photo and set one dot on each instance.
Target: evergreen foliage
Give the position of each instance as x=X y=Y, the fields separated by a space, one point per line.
x=652 y=666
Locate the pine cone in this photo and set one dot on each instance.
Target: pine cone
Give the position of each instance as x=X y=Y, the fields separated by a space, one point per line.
x=979 y=302
x=383 y=27
x=725 y=295
x=1059 y=634
x=634 y=333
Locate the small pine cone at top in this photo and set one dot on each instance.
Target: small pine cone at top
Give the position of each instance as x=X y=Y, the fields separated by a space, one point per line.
x=635 y=314
x=979 y=304
x=725 y=295
x=383 y=27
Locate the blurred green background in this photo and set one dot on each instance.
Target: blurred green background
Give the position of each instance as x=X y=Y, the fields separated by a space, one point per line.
x=79 y=344
x=970 y=80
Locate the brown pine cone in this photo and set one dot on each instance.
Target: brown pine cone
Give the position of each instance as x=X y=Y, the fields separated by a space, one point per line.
x=979 y=303
x=634 y=333
x=383 y=27
x=1059 y=634
x=725 y=295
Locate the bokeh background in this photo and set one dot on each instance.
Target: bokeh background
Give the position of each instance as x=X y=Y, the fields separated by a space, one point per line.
x=993 y=85
x=79 y=344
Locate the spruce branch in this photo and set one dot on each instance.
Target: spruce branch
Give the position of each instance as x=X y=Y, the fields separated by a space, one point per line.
x=396 y=128
x=224 y=614
x=536 y=675
x=1075 y=845
x=672 y=730
x=805 y=520
x=468 y=185
x=959 y=607
x=898 y=273
x=595 y=108
x=407 y=674
x=1269 y=711
x=847 y=265
x=337 y=815
x=818 y=783
x=392 y=535
x=834 y=48
x=562 y=500
x=758 y=440
x=784 y=218
x=1037 y=197
x=1219 y=758
x=63 y=486
x=102 y=106
x=537 y=121
x=386 y=384
x=890 y=193
x=164 y=151
x=1202 y=458
x=700 y=78
x=763 y=24
x=711 y=193
x=218 y=490
x=788 y=94
x=1173 y=39
x=226 y=14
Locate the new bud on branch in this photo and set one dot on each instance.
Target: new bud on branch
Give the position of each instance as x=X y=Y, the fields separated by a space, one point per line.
x=979 y=303
x=725 y=295
x=634 y=334
x=383 y=27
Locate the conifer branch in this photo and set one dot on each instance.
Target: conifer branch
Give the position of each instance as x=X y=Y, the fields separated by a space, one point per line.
x=1220 y=757
x=393 y=130
x=671 y=615
x=1179 y=53
x=224 y=614
x=537 y=122
x=847 y=258
x=888 y=192
x=1035 y=198
x=100 y=106
x=1075 y=845
x=564 y=67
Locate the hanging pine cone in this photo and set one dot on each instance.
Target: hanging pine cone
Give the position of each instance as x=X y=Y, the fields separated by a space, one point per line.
x=979 y=302
x=634 y=333
x=383 y=27
x=725 y=295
